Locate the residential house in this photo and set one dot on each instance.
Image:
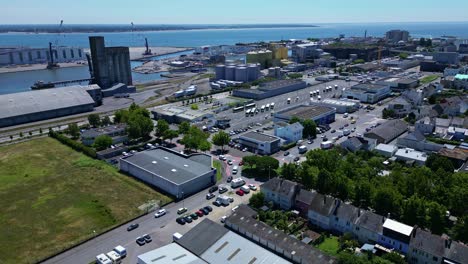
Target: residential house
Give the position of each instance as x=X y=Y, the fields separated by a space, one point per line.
x=400 y=107
x=281 y=192
x=343 y=218
x=411 y=156
x=457 y=155
x=289 y=132
x=425 y=126
x=320 y=210
x=368 y=227
x=425 y=248
x=396 y=235
x=415 y=140
x=456 y=133
x=386 y=150
x=455 y=252
x=304 y=199
x=454 y=105
x=359 y=143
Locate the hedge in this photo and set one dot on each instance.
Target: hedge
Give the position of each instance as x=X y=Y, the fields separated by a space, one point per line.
x=288 y=146
x=73 y=144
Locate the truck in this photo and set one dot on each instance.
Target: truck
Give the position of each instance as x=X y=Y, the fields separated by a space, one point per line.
x=289 y=101
x=176 y=236
x=237 y=182
x=302 y=149
x=326 y=145
x=121 y=250
x=267 y=107
x=103 y=259
x=223 y=199
x=114 y=257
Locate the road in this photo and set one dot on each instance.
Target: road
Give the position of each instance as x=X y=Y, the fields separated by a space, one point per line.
x=161 y=229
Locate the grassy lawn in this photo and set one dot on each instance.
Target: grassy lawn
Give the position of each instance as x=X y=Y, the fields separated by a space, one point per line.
x=330 y=246
x=219 y=167
x=52 y=197
x=428 y=79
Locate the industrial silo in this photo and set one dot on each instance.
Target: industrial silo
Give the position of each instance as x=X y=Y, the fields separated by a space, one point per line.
x=230 y=73
x=252 y=57
x=241 y=74
x=220 y=71
x=252 y=72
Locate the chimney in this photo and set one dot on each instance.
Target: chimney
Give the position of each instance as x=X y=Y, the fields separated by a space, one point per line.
x=359 y=212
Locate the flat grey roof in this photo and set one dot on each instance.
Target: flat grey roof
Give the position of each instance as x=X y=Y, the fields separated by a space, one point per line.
x=169 y=164
x=259 y=136
x=368 y=86
x=306 y=111
x=17 y=104
x=95 y=132
x=202 y=236
x=279 y=84
x=170 y=254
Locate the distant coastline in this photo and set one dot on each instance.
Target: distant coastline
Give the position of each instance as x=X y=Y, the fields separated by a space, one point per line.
x=135 y=28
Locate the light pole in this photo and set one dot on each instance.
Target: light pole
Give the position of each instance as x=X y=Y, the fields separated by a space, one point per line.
x=183 y=202
x=269 y=172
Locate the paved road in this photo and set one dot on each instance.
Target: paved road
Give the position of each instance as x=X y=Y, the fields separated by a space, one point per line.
x=160 y=229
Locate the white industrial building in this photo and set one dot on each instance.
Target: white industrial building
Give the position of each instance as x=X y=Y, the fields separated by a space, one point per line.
x=342 y=106
x=23 y=55
x=407 y=154
x=177 y=174
x=289 y=132
x=367 y=92
x=260 y=143
x=386 y=150
x=169 y=254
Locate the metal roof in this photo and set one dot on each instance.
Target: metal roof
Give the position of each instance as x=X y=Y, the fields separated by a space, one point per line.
x=95 y=132
x=306 y=111
x=259 y=137
x=201 y=237
x=398 y=227
x=18 y=104
x=172 y=253
x=175 y=167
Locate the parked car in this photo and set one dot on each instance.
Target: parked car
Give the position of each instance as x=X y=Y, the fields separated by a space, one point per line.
x=286 y=153
x=199 y=213
x=160 y=213
x=229 y=179
x=147 y=238
x=213 y=189
x=132 y=226
x=222 y=190
x=217 y=203
x=210 y=196
x=296 y=159
x=241 y=163
x=140 y=241
x=180 y=220
x=194 y=216
x=252 y=187
x=181 y=210
x=209 y=208
x=205 y=211
x=188 y=219
x=229 y=162
x=240 y=192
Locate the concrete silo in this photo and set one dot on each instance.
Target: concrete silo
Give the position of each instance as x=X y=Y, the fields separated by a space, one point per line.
x=241 y=74
x=220 y=71
x=252 y=72
x=230 y=73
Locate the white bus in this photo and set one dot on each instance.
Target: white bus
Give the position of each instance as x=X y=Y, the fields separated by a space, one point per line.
x=262 y=109
x=289 y=100
x=272 y=105
x=237 y=182
x=247 y=112
x=267 y=107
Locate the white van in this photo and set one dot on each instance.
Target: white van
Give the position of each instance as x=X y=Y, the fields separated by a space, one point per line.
x=103 y=259
x=121 y=250
x=237 y=182
x=235 y=169
x=245 y=189
x=114 y=257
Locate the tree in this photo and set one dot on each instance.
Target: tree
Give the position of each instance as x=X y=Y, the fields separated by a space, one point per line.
x=161 y=128
x=422 y=42
x=220 y=139
x=394 y=258
x=205 y=146
x=21 y=134
x=257 y=200
x=40 y=131
x=184 y=127
x=436 y=215
x=294 y=119
x=73 y=130
x=403 y=56
x=194 y=107
x=387 y=200
x=170 y=134
x=195 y=138
x=436 y=162
x=105 y=121
x=11 y=137
x=121 y=116
x=461 y=229
x=414 y=211
x=310 y=129
x=266 y=163
x=387 y=113
x=139 y=124
x=102 y=142
x=363 y=194
x=249 y=160
x=94 y=120
x=432 y=99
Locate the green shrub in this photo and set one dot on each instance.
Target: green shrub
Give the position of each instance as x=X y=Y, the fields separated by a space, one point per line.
x=73 y=144
x=288 y=146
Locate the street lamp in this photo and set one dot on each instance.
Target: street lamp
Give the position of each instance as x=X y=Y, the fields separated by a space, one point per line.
x=269 y=172
x=183 y=203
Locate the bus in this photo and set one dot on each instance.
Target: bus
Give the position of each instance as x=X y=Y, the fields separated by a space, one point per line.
x=247 y=112
x=262 y=109
x=238 y=109
x=272 y=105
x=248 y=106
x=267 y=107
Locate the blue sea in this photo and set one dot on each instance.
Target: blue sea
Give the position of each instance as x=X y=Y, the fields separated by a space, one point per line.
x=21 y=81
x=194 y=38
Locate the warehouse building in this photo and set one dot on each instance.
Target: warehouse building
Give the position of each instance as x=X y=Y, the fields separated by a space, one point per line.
x=388 y=131
x=399 y=84
x=22 y=55
x=322 y=115
x=341 y=105
x=116 y=132
x=260 y=143
x=175 y=173
x=177 y=114
x=367 y=92
x=25 y=107
x=270 y=89
x=169 y=254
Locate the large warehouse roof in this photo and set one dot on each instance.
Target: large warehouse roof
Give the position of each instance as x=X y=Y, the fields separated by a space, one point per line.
x=169 y=254
x=175 y=167
x=18 y=104
x=307 y=111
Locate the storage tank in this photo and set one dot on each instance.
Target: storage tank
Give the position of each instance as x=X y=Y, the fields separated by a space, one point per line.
x=241 y=74
x=252 y=72
x=220 y=71
x=230 y=73
x=252 y=57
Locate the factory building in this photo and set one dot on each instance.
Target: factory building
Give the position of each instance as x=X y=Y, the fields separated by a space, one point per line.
x=178 y=114
x=342 y=106
x=322 y=115
x=260 y=143
x=9 y=56
x=239 y=73
x=367 y=92
x=305 y=52
x=25 y=107
x=397 y=35
x=270 y=89
x=400 y=84
x=262 y=57
x=177 y=174
x=110 y=65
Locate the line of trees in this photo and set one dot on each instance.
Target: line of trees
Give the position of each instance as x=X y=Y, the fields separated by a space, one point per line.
x=414 y=195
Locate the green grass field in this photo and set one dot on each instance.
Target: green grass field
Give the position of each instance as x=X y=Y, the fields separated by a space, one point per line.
x=52 y=197
x=330 y=246
x=428 y=79
x=219 y=167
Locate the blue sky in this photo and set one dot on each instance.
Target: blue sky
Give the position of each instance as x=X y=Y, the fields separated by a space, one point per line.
x=229 y=11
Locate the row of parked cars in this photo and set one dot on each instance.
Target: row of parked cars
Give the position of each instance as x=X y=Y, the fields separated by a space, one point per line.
x=114 y=256
x=189 y=218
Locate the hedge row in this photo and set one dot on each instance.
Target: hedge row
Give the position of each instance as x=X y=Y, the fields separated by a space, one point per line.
x=73 y=144
x=288 y=146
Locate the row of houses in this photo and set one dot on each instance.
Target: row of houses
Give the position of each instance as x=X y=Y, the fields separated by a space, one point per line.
x=331 y=214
